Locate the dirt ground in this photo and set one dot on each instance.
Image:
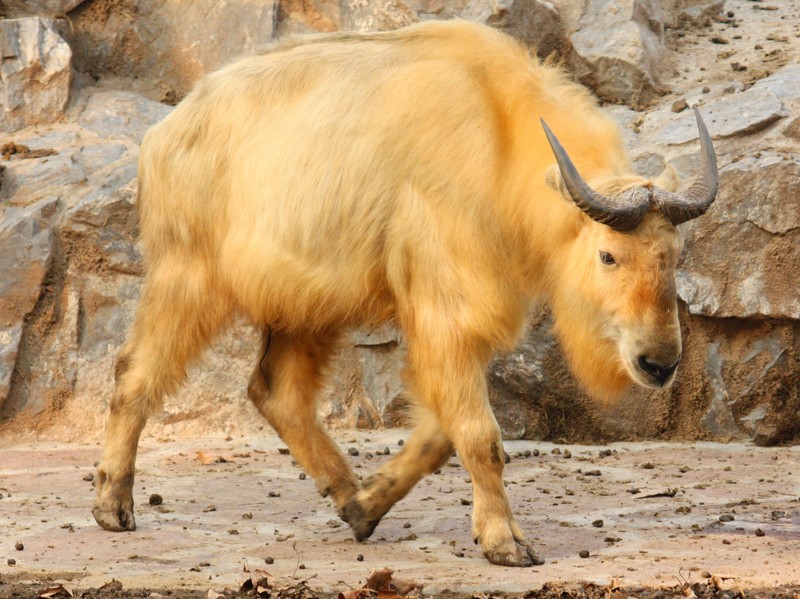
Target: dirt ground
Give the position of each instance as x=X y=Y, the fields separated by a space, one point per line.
x=646 y=519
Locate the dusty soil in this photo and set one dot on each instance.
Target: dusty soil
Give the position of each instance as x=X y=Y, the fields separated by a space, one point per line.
x=653 y=519
x=751 y=41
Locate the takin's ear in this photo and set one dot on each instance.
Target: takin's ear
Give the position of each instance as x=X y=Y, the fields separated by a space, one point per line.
x=668 y=180
x=554 y=180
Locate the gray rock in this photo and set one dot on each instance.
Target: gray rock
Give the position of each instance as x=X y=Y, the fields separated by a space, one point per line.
x=700 y=14
x=618 y=49
x=56 y=139
x=107 y=305
x=783 y=84
x=570 y=13
x=9 y=346
x=98 y=156
x=121 y=115
x=35 y=73
x=751 y=378
x=100 y=232
x=78 y=283
x=48 y=362
x=381 y=15
x=535 y=22
x=741 y=257
x=365 y=390
x=718 y=419
x=381 y=367
x=649 y=164
x=172 y=44
x=739 y=113
x=792 y=129
x=26 y=247
x=38 y=8
x=31 y=179
x=520 y=386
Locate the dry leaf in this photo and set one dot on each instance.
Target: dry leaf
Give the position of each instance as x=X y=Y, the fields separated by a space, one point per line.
x=380 y=585
x=261 y=584
x=614 y=590
x=204 y=458
x=246 y=587
x=406 y=587
x=58 y=592
x=379 y=579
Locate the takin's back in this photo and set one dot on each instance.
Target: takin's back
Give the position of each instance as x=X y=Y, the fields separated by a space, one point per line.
x=309 y=174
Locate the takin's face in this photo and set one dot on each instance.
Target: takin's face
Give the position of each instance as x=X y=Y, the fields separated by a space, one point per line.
x=630 y=282
x=620 y=278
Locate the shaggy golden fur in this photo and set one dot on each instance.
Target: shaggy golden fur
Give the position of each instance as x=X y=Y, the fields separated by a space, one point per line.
x=344 y=180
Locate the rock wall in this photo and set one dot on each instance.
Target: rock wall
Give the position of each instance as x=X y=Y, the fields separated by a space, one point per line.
x=74 y=107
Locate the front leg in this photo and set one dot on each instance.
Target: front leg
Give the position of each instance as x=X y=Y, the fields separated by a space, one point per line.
x=113 y=507
x=493 y=524
x=450 y=379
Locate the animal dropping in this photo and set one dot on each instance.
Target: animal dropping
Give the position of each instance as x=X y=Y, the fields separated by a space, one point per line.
x=435 y=176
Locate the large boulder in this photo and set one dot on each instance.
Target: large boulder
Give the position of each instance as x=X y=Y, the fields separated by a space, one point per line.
x=537 y=23
x=757 y=212
x=619 y=47
x=26 y=255
x=37 y=8
x=729 y=110
x=63 y=214
x=121 y=115
x=170 y=44
x=35 y=73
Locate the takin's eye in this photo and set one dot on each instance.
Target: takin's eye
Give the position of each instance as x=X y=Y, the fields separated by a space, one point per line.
x=607 y=258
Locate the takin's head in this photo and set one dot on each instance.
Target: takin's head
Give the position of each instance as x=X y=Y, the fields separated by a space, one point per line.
x=616 y=303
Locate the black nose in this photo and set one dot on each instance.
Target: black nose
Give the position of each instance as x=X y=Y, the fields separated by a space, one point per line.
x=658 y=371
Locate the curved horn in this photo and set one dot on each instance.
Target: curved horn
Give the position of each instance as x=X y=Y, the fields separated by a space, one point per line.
x=622 y=212
x=679 y=208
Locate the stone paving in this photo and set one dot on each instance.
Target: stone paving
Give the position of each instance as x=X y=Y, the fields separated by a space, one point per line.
x=651 y=514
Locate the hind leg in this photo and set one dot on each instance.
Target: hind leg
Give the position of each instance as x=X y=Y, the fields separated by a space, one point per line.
x=175 y=319
x=426 y=451
x=284 y=388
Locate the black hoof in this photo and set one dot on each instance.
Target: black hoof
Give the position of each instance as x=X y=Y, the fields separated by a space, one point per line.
x=521 y=556
x=356 y=517
x=115 y=520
